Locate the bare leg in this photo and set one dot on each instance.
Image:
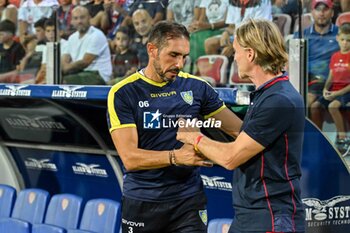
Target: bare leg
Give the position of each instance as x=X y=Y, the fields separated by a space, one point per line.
x=334 y=110
x=212 y=45
x=317 y=114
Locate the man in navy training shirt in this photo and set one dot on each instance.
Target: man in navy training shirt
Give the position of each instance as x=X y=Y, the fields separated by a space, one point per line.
x=162 y=190
x=266 y=154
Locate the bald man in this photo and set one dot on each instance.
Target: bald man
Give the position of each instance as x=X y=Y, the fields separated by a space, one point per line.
x=142 y=22
x=86 y=59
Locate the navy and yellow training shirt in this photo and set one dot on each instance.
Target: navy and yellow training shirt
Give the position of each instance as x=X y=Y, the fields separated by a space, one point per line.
x=154 y=108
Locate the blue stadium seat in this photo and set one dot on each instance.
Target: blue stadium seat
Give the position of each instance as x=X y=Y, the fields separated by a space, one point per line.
x=62 y=213
x=31 y=205
x=45 y=228
x=64 y=210
x=7 y=199
x=80 y=231
x=100 y=215
x=9 y=225
x=219 y=225
x=29 y=208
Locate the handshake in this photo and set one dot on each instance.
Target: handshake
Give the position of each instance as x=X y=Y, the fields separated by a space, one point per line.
x=188 y=154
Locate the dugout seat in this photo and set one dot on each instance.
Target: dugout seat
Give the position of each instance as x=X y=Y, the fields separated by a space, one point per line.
x=306 y=21
x=7 y=200
x=63 y=212
x=29 y=208
x=100 y=215
x=284 y=23
x=213 y=68
x=343 y=18
x=219 y=225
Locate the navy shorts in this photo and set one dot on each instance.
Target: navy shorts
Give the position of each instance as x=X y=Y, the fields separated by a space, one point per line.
x=185 y=215
x=344 y=99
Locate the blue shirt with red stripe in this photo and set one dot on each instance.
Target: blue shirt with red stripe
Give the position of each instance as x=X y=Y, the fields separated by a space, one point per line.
x=266 y=189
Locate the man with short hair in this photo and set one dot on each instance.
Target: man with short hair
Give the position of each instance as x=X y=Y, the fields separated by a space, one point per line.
x=86 y=59
x=162 y=189
x=11 y=52
x=321 y=36
x=142 y=22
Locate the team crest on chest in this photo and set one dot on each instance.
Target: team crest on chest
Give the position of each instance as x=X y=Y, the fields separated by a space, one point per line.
x=187 y=96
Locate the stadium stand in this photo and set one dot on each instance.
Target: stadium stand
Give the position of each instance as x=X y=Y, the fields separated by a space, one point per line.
x=213 y=68
x=284 y=23
x=343 y=18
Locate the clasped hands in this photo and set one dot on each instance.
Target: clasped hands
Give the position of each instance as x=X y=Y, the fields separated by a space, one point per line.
x=186 y=154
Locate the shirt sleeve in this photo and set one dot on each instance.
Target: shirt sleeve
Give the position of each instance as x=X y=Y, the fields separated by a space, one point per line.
x=97 y=43
x=120 y=112
x=270 y=120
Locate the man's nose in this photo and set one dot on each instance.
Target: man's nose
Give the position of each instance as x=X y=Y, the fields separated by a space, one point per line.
x=180 y=62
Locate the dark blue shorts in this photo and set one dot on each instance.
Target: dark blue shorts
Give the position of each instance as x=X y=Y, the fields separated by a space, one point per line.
x=344 y=99
x=185 y=215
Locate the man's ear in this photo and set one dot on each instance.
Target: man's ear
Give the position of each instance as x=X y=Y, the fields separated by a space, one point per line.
x=152 y=50
x=250 y=54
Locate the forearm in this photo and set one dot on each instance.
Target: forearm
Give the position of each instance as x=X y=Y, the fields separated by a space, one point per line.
x=74 y=67
x=220 y=153
x=140 y=159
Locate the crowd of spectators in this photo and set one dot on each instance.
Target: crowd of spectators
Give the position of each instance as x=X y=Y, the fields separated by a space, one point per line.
x=103 y=41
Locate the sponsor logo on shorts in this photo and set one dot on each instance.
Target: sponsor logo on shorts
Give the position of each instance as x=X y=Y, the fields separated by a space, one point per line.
x=132 y=224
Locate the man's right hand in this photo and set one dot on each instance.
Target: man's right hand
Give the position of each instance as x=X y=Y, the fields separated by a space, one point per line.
x=187 y=156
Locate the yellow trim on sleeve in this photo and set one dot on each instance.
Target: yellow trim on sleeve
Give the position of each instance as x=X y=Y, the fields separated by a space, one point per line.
x=113 y=117
x=215 y=112
x=122 y=126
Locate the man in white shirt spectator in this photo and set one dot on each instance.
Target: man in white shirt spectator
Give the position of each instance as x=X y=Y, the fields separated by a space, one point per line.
x=86 y=59
x=30 y=12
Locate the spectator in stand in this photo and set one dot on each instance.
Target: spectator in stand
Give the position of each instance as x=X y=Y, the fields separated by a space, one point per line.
x=99 y=15
x=86 y=59
x=210 y=23
x=155 y=9
x=321 y=45
x=238 y=11
x=31 y=62
x=50 y=37
x=118 y=10
x=30 y=12
x=11 y=52
x=142 y=22
x=64 y=14
x=125 y=61
x=336 y=92
x=8 y=11
x=183 y=11
x=345 y=5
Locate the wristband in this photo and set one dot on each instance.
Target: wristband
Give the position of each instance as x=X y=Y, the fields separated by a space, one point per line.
x=196 y=142
x=172 y=158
